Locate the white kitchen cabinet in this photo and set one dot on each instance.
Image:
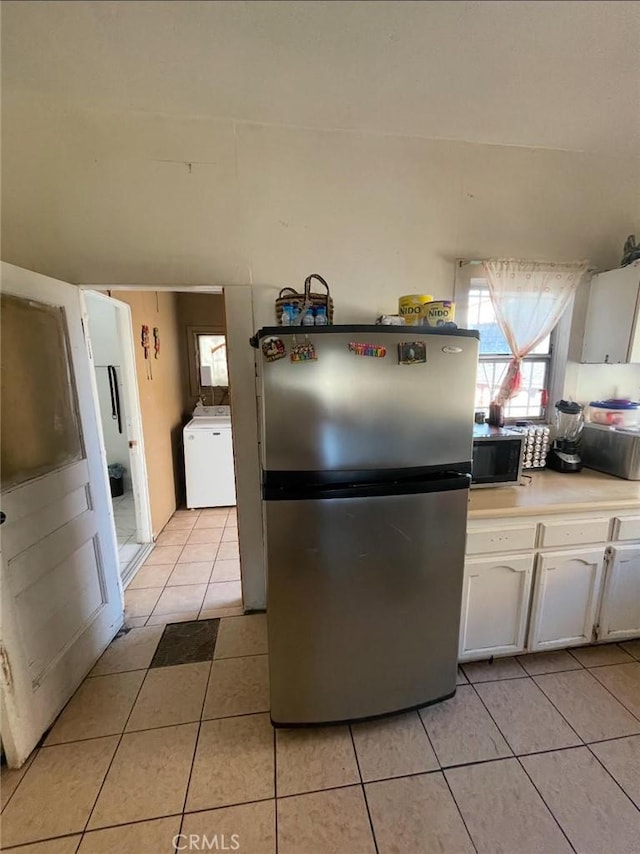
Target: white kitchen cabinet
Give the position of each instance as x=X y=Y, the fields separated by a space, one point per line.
x=620 y=609
x=495 y=604
x=573 y=532
x=612 y=329
x=565 y=599
x=501 y=538
x=626 y=528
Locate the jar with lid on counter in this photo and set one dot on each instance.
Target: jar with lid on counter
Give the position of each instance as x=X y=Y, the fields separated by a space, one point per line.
x=615 y=412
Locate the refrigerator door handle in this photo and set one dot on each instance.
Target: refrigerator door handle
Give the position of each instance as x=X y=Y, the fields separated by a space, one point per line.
x=445 y=482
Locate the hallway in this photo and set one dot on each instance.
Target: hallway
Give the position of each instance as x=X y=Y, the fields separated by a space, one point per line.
x=192 y=573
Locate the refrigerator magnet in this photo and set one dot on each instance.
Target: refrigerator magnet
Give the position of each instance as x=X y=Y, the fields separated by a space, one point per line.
x=302 y=352
x=377 y=351
x=273 y=349
x=412 y=353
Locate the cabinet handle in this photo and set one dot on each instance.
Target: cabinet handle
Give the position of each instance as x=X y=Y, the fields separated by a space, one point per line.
x=216 y=434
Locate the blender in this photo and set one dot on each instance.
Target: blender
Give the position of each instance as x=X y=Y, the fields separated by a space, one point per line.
x=564 y=455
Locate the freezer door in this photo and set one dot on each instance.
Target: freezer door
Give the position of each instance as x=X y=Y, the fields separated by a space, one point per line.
x=345 y=411
x=363 y=603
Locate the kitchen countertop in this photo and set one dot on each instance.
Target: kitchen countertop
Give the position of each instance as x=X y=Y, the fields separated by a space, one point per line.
x=551 y=492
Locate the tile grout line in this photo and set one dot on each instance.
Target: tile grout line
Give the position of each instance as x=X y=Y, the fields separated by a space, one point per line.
x=633 y=714
x=517 y=758
x=197 y=741
x=584 y=740
x=612 y=645
x=160 y=726
x=22 y=845
x=548 y=806
x=362 y=789
x=444 y=776
x=82 y=831
x=578 y=736
x=550 y=672
x=36 y=750
x=115 y=752
x=182 y=547
x=380 y=779
x=617 y=782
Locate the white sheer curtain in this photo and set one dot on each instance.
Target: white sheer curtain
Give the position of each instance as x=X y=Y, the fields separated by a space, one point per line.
x=529 y=298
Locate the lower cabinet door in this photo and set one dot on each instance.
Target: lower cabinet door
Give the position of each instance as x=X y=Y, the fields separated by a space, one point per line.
x=495 y=604
x=565 y=600
x=620 y=609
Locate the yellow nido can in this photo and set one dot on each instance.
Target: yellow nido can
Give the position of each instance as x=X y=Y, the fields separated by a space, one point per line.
x=412 y=306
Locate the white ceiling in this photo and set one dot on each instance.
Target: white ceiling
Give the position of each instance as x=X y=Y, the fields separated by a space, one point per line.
x=550 y=74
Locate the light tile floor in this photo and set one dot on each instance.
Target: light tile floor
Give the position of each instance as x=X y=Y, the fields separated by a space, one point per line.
x=513 y=764
x=124 y=513
x=192 y=573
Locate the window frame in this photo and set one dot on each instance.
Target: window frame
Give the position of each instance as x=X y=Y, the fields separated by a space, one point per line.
x=194 y=355
x=465 y=271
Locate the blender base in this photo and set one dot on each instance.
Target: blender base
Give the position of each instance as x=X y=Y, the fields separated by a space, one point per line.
x=563 y=461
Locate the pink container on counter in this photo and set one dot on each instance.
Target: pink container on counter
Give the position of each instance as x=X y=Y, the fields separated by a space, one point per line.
x=614 y=412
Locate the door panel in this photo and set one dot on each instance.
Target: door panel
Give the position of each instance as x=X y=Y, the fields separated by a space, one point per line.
x=62 y=599
x=354 y=412
x=565 y=601
x=620 y=613
x=40 y=428
x=495 y=604
x=363 y=603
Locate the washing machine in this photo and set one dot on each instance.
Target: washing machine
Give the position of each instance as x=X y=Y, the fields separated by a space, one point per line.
x=208 y=458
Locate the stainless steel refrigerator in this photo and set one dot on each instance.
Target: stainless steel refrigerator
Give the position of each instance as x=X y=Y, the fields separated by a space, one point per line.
x=366 y=444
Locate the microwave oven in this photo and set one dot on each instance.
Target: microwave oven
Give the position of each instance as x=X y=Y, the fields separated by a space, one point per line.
x=497 y=456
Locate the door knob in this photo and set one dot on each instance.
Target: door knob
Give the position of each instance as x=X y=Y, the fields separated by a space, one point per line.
x=3 y=517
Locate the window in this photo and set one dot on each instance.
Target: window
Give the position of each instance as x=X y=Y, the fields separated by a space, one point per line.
x=211 y=352
x=495 y=356
x=543 y=369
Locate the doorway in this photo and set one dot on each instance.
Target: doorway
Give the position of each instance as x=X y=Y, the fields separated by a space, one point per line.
x=110 y=333
x=193 y=568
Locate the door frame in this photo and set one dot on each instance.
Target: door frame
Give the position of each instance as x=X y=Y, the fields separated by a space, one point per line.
x=245 y=306
x=138 y=462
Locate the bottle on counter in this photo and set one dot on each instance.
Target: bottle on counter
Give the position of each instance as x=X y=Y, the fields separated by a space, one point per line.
x=496 y=414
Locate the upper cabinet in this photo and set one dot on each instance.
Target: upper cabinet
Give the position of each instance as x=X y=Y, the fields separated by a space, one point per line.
x=612 y=331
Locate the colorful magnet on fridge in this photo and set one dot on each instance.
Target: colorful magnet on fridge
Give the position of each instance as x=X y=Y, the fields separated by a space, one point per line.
x=377 y=351
x=303 y=352
x=273 y=349
x=412 y=353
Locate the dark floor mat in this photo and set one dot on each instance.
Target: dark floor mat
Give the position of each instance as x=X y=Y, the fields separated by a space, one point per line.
x=186 y=643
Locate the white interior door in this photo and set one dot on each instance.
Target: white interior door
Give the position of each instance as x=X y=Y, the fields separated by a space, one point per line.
x=62 y=598
x=133 y=437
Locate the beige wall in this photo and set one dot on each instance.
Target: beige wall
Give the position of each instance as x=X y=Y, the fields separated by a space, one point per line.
x=206 y=313
x=97 y=197
x=160 y=398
